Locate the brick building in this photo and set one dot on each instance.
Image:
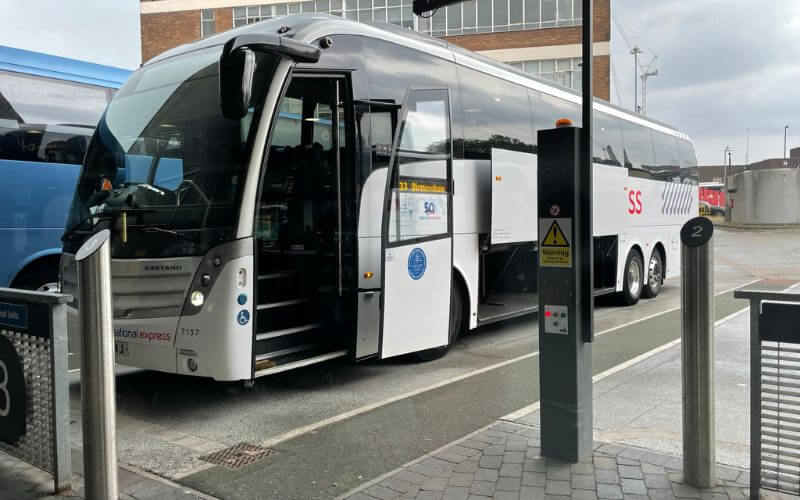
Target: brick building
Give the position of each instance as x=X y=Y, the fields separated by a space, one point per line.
x=538 y=36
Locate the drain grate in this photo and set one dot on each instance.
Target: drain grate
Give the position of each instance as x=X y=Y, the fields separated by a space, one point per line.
x=238 y=455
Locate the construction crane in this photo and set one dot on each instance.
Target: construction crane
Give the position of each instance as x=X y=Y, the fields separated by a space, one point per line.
x=647 y=70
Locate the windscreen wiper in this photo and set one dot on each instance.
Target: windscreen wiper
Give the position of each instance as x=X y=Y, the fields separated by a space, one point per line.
x=155 y=228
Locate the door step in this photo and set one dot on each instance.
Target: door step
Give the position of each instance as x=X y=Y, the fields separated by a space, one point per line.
x=269 y=366
x=272 y=276
x=283 y=303
x=284 y=352
x=287 y=331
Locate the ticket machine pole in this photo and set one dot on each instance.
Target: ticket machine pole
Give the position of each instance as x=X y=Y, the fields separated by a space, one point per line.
x=565 y=298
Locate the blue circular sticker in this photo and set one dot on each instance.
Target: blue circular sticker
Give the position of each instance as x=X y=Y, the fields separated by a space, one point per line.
x=417 y=263
x=243 y=317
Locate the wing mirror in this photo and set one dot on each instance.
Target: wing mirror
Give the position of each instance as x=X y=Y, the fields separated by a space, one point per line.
x=238 y=65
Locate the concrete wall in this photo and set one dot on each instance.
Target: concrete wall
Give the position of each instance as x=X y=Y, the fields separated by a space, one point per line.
x=766 y=196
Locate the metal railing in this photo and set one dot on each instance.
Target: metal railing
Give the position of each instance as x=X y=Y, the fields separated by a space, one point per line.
x=774 y=390
x=34 y=384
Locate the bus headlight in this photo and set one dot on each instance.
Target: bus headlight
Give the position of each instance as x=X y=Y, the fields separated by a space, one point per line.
x=197 y=298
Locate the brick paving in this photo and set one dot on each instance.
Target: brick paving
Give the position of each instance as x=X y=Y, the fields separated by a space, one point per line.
x=20 y=480
x=503 y=461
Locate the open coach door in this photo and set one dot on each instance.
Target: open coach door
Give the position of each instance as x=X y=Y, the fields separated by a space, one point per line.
x=417 y=227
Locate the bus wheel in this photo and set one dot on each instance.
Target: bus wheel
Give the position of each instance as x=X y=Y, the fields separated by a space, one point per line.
x=632 y=278
x=456 y=324
x=41 y=278
x=655 y=276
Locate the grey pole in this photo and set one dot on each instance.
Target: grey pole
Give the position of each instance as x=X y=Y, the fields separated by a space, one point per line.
x=97 y=367
x=697 y=352
x=785 y=129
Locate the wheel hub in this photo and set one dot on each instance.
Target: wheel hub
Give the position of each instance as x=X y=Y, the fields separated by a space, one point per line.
x=634 y=277
x=654 y=274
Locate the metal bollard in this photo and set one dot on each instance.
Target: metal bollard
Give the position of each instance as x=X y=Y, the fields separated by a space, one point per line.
x=97 y=368
x=697 y=352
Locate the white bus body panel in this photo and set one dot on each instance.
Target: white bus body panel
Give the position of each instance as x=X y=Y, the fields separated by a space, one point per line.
x=223 y=345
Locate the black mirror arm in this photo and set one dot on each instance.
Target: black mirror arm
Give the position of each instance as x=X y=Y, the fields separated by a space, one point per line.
x=275 y=44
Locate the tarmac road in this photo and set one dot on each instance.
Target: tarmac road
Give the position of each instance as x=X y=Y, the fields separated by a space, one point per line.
x=335 y=426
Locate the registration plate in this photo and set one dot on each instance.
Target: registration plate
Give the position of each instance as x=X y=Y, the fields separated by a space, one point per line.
x=121 y=349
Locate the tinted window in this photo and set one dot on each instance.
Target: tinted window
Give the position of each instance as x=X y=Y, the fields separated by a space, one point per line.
x=393 y=68
x=390 y=81
x=496 y=115
x=686 y=154
x=547 y=109
x=47 y=120
x=607 y=143
x=666 y=149
x=688 y=161
x=638 y=142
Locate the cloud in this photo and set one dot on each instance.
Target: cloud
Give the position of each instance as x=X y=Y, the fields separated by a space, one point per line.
x=100 y=31
x=724 y=66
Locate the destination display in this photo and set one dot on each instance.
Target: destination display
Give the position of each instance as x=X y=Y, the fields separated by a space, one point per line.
x=421 y=208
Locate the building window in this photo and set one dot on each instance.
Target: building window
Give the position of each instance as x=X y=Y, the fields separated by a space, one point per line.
x=471 y=16
x=565 y=72
x=207 y=22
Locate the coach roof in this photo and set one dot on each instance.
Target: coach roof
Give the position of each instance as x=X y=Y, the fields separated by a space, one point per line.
x=311 y=27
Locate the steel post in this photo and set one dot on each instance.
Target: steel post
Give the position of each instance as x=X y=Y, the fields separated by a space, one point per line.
x=697 y=354
x=755 y=399
x=97 y=367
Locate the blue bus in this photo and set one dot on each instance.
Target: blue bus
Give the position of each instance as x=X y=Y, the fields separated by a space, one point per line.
x=49 y=107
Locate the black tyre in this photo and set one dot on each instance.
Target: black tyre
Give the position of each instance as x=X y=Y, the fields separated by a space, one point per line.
x=632 y=279
x=655 y=275
x=42 y=278
x=457 y=300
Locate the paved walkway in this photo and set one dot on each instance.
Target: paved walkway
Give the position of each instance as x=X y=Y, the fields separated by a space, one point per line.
x=637 y=422
x=20 y=480
x=504 y=462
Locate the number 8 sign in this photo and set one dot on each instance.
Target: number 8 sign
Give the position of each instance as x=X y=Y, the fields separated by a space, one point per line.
x=13 y=396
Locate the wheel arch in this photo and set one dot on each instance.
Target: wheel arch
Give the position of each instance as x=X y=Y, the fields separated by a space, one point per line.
x=40 y=259
x=458 y=277
x=661 y=249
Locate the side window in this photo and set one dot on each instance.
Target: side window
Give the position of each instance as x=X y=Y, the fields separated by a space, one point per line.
x=547 y=109
x=688 y=161
x=638 y=142
x=607 y=140
x=420 y=176
x=666 y=150
x=47 y=120
x=496 y=114
x=392 y=68
x=382 y=124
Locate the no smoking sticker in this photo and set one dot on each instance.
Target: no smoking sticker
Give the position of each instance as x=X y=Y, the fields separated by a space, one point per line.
x=555 y=242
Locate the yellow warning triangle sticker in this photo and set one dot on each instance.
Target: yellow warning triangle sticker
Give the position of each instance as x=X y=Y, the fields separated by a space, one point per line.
x=555 y=237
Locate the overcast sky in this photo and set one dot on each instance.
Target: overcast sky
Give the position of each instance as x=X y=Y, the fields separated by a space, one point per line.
x=100 y=31
x=724 y=65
